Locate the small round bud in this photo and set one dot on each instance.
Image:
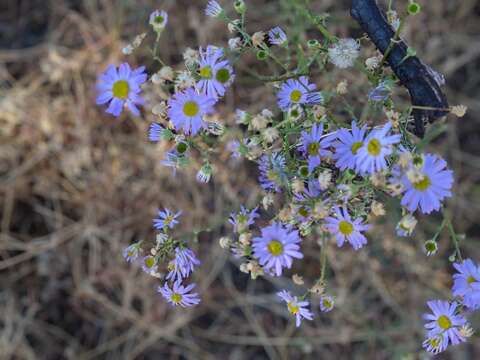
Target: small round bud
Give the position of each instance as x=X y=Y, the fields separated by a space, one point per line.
x=262 y=55
x=303 y=171
x=413 y=8
x=313 y=43
x=239 y=6
x=182 y=147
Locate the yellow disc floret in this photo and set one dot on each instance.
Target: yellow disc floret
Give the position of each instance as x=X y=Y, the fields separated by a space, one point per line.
x=191 y=108
x=121 y=89
x=275 y=247
x=345 y=227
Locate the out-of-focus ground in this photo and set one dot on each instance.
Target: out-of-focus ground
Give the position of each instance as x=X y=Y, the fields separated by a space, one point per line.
x=76 y=186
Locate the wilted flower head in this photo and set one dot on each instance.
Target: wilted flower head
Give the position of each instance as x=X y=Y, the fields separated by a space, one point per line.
x=343 y=53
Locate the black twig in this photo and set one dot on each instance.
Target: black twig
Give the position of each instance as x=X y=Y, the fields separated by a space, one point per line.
x=422 y=82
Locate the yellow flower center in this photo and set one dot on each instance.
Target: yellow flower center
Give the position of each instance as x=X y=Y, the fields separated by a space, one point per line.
x=191 y=108
x=293 y=308
x=223 y=75
x=303 y=211
x=206 y=72
x=313 y=148
x=168 y=220
x=356 y=146
x=272 y=175
x=423 y=184
x=295 y=95
x=275 y=247
x=176 y=297
x=444 y=322
x=121 y=89
x=149 y=262
x=434 y=342
x=159 y=19
x=374 y=147
x=471 y=279
x=345 y=227
x=327 y=303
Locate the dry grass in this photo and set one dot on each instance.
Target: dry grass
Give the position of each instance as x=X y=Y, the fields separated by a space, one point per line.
x=76 y=186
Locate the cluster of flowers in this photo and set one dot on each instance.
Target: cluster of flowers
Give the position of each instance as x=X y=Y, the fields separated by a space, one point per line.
x=447 y=323
x=329 y=177
x=181 y=265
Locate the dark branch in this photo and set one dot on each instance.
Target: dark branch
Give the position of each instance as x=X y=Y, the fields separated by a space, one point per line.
x=422 y=82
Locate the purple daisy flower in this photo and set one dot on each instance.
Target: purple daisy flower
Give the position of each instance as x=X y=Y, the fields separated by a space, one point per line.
x=166 y=219
x=277 y=247
x=187 y=109
x=435 y=344
x=149 y=264
x=155 y=132
x=311 y=192
x=380 y=93
x=272 y=171
x=183 y=265
x=215 y=74
x=213 y=9
x=242 y=220
x=377 y=146
x=444 y=322
x=426 y=194
x=179 y=294
x=344 y=228
x=121 y=88
x=296 y=307
x=326 y=303
x=466 y=283
x=347 y=145
x=294 y=92
x=131 y=252
x=277 y=36
x=314 y=147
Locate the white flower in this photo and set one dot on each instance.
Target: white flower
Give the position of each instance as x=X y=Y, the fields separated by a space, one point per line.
x=344 y=53
x=191 y=57
x=184 y=80
x=324 y=179
x=372 y=63
x=270 y=134
x=235 y=43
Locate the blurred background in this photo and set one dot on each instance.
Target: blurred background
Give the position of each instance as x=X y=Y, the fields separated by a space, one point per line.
x=77 y=186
